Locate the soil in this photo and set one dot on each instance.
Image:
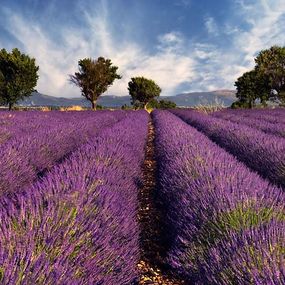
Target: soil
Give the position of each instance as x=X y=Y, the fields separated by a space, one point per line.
x=151 y=266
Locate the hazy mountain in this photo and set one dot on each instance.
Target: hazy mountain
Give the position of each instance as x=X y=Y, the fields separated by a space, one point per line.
x=227 y=97
x=185 y=99
x=38 y=99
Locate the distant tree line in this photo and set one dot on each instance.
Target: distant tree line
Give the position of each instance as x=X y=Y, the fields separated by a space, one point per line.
x=19 y=76
x=266 y=82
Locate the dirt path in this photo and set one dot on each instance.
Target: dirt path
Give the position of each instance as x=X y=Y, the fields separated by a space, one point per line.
x=149 y=217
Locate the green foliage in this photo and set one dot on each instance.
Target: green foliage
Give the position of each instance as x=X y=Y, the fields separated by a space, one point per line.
x=271 y=62
x=153 y=104
x=241 y=217
x=138 y=105
x=262 y=87
x=18 y=76
x=2 y=271
x=251 y=86
x=239 y=105
x=161 y=104
x=94 y=77
x=246 y=89
x=99 y=107
x=268 y=76
x=156 y=104
x=167 y=104
x=142 y=90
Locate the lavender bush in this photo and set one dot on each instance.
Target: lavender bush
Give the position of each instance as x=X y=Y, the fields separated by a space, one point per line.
x=253 y=256
x=208 y=197
x=257 y=120
x=262 y=152
x=78 y=225
x=27 y=156
x=19 y=124
x=269 y=115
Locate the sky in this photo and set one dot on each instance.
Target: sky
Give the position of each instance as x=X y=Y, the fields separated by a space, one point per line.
x=183 y=45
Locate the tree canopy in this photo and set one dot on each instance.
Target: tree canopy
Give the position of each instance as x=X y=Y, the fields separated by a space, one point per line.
x=251 y=86
x=18 y=76
x=167 y=104
x=271 y=62
x=94 y=77
x=142 y=90
x=265 y=81
x=161 y=104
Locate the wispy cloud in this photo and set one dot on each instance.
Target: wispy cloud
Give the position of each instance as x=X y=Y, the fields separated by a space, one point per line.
x=223 y=65
x=267 y=19
x=176 y=62
x=184 y=3
x=58 y=59
x=171 y=42
x=211 y=26
x=169 y=66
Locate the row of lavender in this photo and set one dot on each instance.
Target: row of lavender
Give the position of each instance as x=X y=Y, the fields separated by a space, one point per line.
x=260 y=151
x=275 y=116
x=33 y=148
x=224 y=224
x=78 y=224
x=21 y=124
x=272 y=121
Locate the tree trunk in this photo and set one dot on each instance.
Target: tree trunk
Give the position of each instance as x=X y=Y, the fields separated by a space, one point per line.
x=250 y=104
x=10 y=106
x=94 y=105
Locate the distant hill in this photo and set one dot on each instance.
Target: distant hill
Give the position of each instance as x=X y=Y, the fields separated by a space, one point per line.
x=227 y=97
x=38 y=99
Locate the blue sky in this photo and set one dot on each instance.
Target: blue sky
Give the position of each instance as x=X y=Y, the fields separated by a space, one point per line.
x=184 y=45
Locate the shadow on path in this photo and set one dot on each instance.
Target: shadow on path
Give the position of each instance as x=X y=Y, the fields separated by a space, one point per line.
x=151 y=266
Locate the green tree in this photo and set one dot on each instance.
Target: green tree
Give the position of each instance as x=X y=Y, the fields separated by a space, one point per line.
x=167 y=104
x=246 y=89
x=94 y=77
x=271 y=63
x=142 y=90
x=160 y=104
x=153 y=104
x=18 y=76
x=262 y=87
x=251 y=86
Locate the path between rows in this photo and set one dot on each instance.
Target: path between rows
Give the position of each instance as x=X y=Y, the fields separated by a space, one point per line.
x=151 y=265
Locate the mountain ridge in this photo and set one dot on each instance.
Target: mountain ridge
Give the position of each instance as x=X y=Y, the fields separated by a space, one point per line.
x=224 y=96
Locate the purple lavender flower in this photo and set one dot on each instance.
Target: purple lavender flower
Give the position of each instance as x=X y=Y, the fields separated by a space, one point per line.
x=261 y=152
x=206 y=196
x=78 y=224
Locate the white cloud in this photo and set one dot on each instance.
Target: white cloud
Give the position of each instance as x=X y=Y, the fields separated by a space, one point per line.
x=211 y=26
x=244 y=6
x=267 y=27
x=231 y=29
x=184 y=3
x=173 y=38
x=49 y=56
x=171 y=42
x=167 y=66
x=167 y=69
x=175 y=61
x=222 y=66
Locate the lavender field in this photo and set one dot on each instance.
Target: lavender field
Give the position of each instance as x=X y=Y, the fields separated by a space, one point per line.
x=127 y=197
